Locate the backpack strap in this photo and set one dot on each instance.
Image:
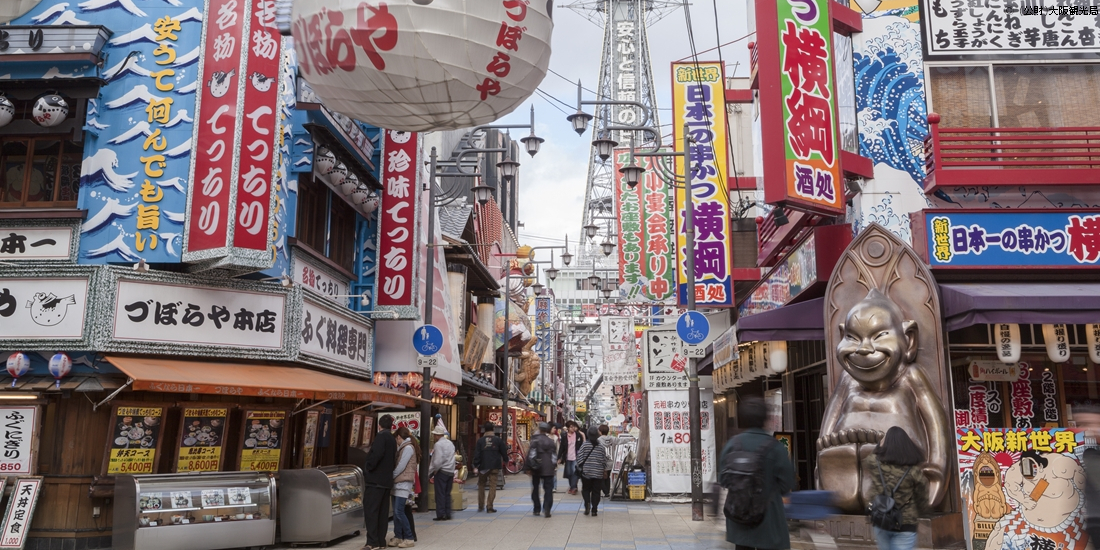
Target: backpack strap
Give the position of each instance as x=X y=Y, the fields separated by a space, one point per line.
x=883 y=479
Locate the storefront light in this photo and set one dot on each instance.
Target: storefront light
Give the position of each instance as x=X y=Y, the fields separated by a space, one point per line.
x=17 y=396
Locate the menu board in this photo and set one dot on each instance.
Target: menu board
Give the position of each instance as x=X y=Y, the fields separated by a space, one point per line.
x=261 y=441
x=20 y=512
x=18 y=439
x=309 y=437
x=134 y=439
x=201 y=439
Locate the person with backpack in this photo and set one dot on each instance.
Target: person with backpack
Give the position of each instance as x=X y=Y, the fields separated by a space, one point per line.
x=900 y=490
x=542 y=466
x=757 y=473
x=490 y=454
x=591 y=459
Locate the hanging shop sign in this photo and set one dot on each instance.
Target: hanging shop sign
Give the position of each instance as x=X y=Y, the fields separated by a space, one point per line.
x=330 y=337
x=670 y=440
x=35 y=243
x=1092 y=337
x=725 y=348
x=993 y=371
x=133 y=440
x=356 y=429
x=188 y=314
x=1057 y=341
x=309 y=437
x=804 y=269
x=620 y=364
x=309 y=275
x=362 y=50
x=1007 y=28
x=699 y=100
x=397 y=228
x=19 y=441
x=1016 y=238
x=409 y=420
x=261 y=440
x=647 y=246
x=1020 y=487
x=20 y=512
x=798 y=125
x=665 y=360
x=474 y=350
x=43 y=308
x=201 y=441
x=1008 y=340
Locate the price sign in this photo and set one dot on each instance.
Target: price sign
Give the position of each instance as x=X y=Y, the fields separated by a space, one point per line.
x=20 y=511
x=18 y=439
x=134 y=438
x=261 y=440
x=201 y=439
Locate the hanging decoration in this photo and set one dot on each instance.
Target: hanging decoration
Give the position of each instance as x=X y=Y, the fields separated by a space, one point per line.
x=7 y=111
x=417 y=65
x=1007 y=336
x=350 y=184
x=1092 y=336
x=1057 y=340
x=323 y=160
x=18 y=365
x=380 y=378
x=777 y=360
x=60 y=366
x=50 y=110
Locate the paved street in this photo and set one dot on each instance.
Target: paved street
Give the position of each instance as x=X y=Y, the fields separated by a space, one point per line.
x=620 y=526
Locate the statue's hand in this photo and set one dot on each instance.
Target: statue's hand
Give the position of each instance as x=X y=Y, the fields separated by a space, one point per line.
x=935 y=483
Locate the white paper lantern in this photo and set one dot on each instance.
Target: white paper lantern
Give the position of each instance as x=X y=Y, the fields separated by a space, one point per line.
x=1007 y=339
x=323 y=161
x=370 y=204
x=777 y=360
x=422 y=65
x=1092 y=336
x=7 y=111
x=50 y=110
x=359 y=196
x=1057 y=340
x=350 y=184
x=337 y=174
x=60 y=366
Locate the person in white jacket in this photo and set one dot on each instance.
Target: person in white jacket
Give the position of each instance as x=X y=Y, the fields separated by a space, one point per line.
x=441 y=472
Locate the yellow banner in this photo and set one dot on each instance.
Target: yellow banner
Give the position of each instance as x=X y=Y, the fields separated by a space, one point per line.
x=260 y=460
x=130 y=461
x=139 y=411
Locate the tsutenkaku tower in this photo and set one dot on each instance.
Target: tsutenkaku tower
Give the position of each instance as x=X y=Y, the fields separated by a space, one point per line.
x=625 y=74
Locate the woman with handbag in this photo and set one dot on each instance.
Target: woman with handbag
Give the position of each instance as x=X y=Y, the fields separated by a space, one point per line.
x=404 y=478
x=591 y=460
x=900 y=490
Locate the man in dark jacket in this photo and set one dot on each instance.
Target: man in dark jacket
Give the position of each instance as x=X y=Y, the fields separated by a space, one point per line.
x=490 y=454
x=542 y=469
x=772 y=533
x=571 y=441
x=378 y=482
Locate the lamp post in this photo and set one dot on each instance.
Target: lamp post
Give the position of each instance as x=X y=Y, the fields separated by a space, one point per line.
x=632 y=173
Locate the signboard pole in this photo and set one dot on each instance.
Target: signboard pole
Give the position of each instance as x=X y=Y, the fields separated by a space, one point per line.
x=693 y=371
x=429 y=308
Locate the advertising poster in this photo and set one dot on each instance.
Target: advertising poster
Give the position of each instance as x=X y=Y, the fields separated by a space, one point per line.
x=670 y=440
x=1021 y=488
x=647 y=248
x=202 y=439
x=134 y=439
x=408 y=420
x=1027 y=239
x=261 y=448
x=19 y=439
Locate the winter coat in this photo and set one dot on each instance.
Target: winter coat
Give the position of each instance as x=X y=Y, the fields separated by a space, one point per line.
x=591 y=460
x=772 y=533
x=912 y=495
x=563 y=445
x=490 y=453
x=381 y=460
x=443 y=457
x=404 y=472
x=543 y=447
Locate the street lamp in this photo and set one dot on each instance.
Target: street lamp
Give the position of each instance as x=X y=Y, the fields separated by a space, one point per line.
x=508 y=168
x=552 y=273
x=594 y=280
x=482 y=193
x=604 y=147
x=591 y=230
x=608 y=247
x=632 y=173
x=538 y=288
x=606 y=292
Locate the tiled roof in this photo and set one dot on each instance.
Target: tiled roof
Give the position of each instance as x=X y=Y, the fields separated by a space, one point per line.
x=453 y=219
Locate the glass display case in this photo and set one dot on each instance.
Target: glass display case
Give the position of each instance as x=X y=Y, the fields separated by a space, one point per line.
x=198 y=510
x=305 y=496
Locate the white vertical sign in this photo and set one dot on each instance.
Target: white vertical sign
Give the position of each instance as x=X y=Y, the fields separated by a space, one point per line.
x=18 y=429
x=620 y=364
x=670 y=440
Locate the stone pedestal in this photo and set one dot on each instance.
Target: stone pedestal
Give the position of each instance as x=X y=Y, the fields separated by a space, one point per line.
x=854 y=532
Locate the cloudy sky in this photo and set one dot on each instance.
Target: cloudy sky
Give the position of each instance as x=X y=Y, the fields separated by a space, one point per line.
x=553 y=183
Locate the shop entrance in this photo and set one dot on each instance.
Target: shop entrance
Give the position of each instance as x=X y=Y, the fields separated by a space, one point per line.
x=810 y=394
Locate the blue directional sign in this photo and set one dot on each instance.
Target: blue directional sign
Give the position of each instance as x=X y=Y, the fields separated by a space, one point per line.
x=427 y=340
x=693 y=327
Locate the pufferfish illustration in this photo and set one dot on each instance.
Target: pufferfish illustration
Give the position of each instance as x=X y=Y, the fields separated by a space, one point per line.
x=48 y=310
x=260 y=82
x=220 y=82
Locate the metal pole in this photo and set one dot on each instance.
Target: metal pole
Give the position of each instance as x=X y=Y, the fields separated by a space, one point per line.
x=693 y=371
x=426 y=390
x=504 y=418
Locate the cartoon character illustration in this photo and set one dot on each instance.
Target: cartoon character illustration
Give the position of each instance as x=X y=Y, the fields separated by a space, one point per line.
x=260 y=82
x=1046 y=488
x=48 y=310
x=989 y=500
x=220 y=82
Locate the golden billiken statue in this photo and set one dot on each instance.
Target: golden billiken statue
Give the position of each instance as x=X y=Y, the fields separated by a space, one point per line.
x=882 y=386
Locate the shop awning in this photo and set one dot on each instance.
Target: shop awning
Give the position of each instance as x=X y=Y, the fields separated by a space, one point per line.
x=966 y=304
x=482 y=401
x=165 y=375
x=801 y=321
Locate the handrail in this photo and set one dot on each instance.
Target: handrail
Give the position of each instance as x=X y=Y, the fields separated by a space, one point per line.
x=1011 y=148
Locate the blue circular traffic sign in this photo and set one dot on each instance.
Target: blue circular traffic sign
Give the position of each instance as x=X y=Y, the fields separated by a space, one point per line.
x=693 y=327
x=427 y=340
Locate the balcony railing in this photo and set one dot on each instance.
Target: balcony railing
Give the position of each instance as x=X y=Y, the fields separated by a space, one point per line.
x=1010 y=156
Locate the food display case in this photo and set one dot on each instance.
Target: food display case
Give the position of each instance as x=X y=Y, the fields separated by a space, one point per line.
x=196 y=510
x=320 y=504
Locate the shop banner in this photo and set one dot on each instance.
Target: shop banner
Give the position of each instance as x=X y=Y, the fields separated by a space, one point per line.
x=134 y=439
x=356 y=426
x=647 y=251
x=261 y=445
x=201 y=439
x=368 y=431
x=699 y=100
x=35 y=243
x=796 y=273
x=1012 y=238
x=620 y=362
x=309 y=437
x=397 y=227
x=20 y=439
x=409 y=420
x=43 y=308
x=1008 y=28
x=343 y=339
x=20 y=512
x=1021 y=488
x=670 y=440
x=310 y=276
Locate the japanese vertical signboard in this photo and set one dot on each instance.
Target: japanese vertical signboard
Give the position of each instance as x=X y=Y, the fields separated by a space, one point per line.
x=20 y=512
x=624 y=53
x=646 y=221
x=309 y=437
x=261 y=448
x=954 y=29
x=201 y=439
x=20 y=432
x=699 y=101
x=670 y=440
x=134 y=439
x=1022 y=487
x=798 y=106
x=620 y=361
x=397 y=222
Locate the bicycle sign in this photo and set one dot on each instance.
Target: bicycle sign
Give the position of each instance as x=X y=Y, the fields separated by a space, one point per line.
x=427 y=340
x=692 y=327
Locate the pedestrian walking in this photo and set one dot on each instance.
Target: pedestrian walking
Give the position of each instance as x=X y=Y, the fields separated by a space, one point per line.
x=900 y=489
x=1087 y=418
x=404 y=478
x=606 y=441
x=761 y=465
x=555 y=437
x=542 y=466
x=490 y=454
x=378 y=484
x=591 y=460
x=441 y=471
x=571 y=442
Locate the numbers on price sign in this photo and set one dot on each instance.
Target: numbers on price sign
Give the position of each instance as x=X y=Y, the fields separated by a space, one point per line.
x=9 y=466
x=678 y=438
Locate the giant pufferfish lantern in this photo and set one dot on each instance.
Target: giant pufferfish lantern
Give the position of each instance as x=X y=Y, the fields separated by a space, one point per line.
x=421 y=65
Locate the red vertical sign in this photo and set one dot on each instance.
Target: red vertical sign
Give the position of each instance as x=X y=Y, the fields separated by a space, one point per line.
x=258 y=131
x=216 y=122
x=397 y=219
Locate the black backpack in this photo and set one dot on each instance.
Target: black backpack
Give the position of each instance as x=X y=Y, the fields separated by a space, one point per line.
x=743 y=477
x=885 y=512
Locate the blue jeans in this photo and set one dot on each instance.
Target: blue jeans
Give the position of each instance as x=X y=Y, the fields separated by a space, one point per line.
x=571 y=474
x=895 y=540
x=401 y=527
x=443 y=483
x=547 y=490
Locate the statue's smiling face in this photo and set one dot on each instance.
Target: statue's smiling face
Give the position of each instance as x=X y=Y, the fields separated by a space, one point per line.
x=874 y=341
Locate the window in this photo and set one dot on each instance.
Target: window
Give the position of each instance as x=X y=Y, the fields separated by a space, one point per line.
x=39 y=172
x=326 y=223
